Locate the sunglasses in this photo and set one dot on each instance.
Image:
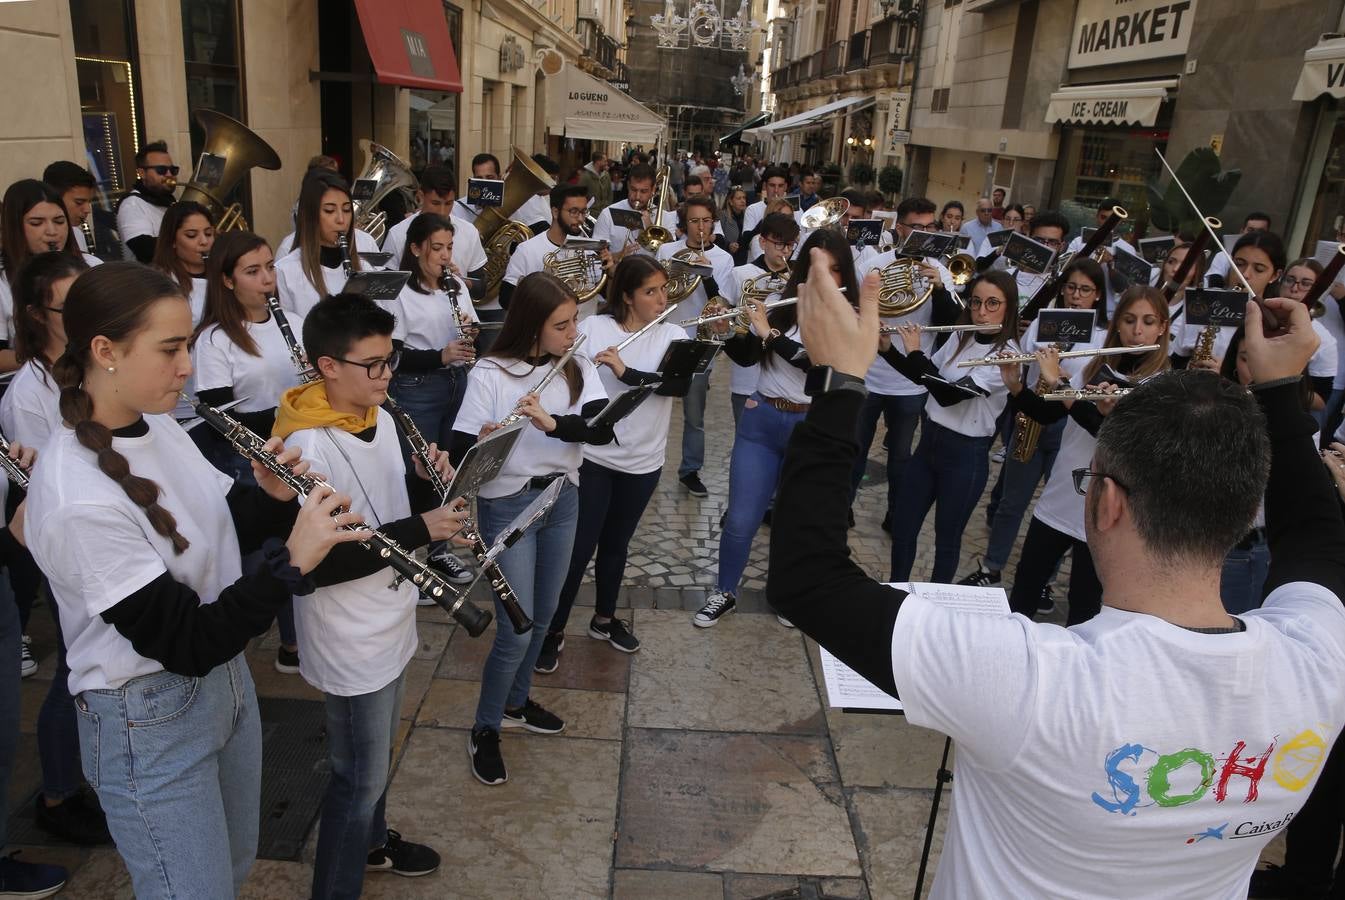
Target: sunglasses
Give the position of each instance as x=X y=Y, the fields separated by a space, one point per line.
x=163 y=170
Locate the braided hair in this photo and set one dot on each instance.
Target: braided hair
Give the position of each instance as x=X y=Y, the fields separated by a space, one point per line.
x=111 y=300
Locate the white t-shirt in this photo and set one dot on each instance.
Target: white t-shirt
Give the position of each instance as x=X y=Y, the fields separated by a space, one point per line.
x=425 y=321
x=30 y=410
x=753 y=215
x=364 y=243
x=743 y=379
x=465 y=211
x=881 y=377
x=357 y=636
x=293 y=289
x=973 y=418
x=493 y=390
x=1124 y=757
x=197 y=298
x=97 y=547
x=258 y=381
x=1060 y=506
x=137 y=217
x=1184 y=337
x=617 y=237
x=536 y=208
x=1334 y=324
x=468 y=253
x=691 y=306
x=781 y=379
x=528 y=257
x=1324 y=358
x=642 y=437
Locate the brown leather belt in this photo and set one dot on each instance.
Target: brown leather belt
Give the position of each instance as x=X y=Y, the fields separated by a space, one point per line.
x=787 y=406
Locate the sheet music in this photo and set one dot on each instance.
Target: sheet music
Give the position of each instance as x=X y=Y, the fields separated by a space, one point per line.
x=847 y=689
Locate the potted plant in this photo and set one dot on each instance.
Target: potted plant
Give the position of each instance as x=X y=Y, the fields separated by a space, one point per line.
x=861 y=174
x=889 y=180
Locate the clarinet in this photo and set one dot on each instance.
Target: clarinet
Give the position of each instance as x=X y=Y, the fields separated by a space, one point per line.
x=546 y=379
x=508 y=599
x=343 y=244
x=306 y=372
x=429 y=583
x=449 y=285
x=13 y=470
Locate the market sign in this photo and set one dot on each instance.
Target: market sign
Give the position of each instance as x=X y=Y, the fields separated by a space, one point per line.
x=1118 y=31
x=1323 y=71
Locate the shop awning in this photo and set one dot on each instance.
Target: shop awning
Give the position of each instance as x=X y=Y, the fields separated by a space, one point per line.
x=735 y=136
x=1323 y=71
x=409 y=43
x=1123 y=103
x=580 y=106
x=805 y=119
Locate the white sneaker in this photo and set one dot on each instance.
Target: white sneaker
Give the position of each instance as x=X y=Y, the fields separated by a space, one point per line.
x=719 y=605
x=27 y=665
x=997 y=456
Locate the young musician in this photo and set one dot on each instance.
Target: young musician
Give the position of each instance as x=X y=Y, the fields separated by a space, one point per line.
x=535 y=212
x=1171 y=263
x=77 y=188
x=639 y=198
x=774 y=185
x=317 y=265
x=538 y=330
x=768 y=418
x=357 y=631
x=950 y=465
x=141 y=538
x=1299 y=277
x=1058 y=519
x=617 y=480
x=484 y=165
x=1084 y=287
x=186 y=236
x=1070 y=738
x=569 y=207
x=141 y=211
x=951 y=216
x=1218 y=274
x=436 y=194
x=1259 y=256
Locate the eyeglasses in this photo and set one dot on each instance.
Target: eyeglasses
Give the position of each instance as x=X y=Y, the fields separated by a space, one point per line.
x=1083 y=290
x=379 y=367
x=1082 y=475
x=1304 y=283
x=989 y=304
x=1050 y=242
x=163 y=170
x=782 y=246
x=1013 y=220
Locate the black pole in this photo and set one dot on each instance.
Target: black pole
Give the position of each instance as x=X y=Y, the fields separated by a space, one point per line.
x=943 y=777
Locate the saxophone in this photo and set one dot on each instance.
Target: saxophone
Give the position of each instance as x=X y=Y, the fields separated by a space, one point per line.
x=1204 y=351
x=1027 y=430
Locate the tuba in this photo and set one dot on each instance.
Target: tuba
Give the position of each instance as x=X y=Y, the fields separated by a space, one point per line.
x=655 y=235
x=824 y=213
x=241 y=149
x=389 y=174
x=580 y=268
x=499 y=234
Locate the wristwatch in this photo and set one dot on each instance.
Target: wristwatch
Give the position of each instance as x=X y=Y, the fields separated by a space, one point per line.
x=821 y=379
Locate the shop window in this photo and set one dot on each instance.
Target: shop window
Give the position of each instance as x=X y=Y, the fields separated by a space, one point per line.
x=1327 y=222
x=214 y=76
x=1097 y=163
x=434 y=114
x=109 y=95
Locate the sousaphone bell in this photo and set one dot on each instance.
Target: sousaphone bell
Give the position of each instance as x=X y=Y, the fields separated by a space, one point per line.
x=241 y=150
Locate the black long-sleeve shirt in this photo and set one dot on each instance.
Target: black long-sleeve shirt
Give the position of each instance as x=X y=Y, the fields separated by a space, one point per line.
x=815 y=584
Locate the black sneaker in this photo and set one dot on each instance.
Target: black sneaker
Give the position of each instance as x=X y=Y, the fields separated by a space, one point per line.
x=1046 y=602
x=450 y=567
x=982 y=577
x=534 y=718
x=483 y=746
x=1278 y=882
x=695 y=487
x=549 y=659
x=73 y=819
x=287 y=661
x=402 y=858
x=719 y=604
x=887 y=523
x=615 y=632
x=29 y=880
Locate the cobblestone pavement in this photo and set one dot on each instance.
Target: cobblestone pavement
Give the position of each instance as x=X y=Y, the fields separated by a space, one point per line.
x=705 y=766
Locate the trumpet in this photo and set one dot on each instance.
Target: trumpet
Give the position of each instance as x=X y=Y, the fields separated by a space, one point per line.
x=738 y=312
x=546 y=379
x=407 y=567
x=1022 y=359
x=1089 y=394
x=942 y=329
x=12 y=469
x=307 y=373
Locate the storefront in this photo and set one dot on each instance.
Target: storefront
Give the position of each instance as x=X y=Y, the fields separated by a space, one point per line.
x=1321 y=207
x=435 y=114
x=813 y=136
x=581 y=108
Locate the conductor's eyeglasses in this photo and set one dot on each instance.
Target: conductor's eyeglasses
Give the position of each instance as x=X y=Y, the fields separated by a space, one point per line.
x=1081 y=477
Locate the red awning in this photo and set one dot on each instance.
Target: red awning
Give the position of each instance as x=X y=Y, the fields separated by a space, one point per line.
x=409 y=43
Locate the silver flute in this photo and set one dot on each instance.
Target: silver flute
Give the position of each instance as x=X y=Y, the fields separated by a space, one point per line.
x=1091 y=394
x=736 y=311
x=13 y=470
x=307 y=374
x=672 y=307
x=547 y=378
x=941 y=329
x=1025 y=358
x=427 y=581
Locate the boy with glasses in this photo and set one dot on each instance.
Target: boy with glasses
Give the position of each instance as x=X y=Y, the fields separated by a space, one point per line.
x=357 y=630
x=141 y=211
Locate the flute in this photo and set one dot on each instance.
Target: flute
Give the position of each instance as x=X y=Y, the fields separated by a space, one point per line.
x=736 y=311
x=658 y=320
x=1025 y=358
x=1092 y=394
x=508 y=599
x=13 y=470
x=426 y=580
x=941 y=329
x=546 y=379
x=307 y=374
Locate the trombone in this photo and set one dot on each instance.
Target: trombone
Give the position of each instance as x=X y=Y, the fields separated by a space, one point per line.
x=654 y=235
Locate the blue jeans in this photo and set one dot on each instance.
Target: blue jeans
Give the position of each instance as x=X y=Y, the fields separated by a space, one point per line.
x=10 y=634
x=1018 y=480
x=360 y=733
x=738 y=401
x=176 y=762
x=232 y=463
x=693 y=426
x=610 y=506
x=949 y=469
x=902 y=415
x=535 y=567
x=57 y=728
x=1243 y=579
x=1331 y=416
x=754 y=469
x=432 y=400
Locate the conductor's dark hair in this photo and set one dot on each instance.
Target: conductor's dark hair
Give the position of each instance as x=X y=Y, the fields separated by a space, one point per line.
x=1158 y=443
x=338 y=321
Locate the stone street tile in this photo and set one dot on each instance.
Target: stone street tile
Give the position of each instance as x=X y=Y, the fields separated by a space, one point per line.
x=649 y=884
x=891 y=834
x=272 y=879
x=271 y=683
x=848 y=888
x=750 y=887
x=551 y=824
x=101 y=876
x=585 y=664
x=732 y=802
x=588 y=714
x=748 y=673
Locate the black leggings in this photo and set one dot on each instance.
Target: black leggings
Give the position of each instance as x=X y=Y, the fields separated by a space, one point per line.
x=1043 y=549
x=610 y=506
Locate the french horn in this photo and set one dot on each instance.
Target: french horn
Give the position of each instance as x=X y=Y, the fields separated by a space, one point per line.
x=580 y=268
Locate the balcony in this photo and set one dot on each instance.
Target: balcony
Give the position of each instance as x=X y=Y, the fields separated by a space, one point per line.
x=858 y=55
x=891 y=41
x=833 y=59
x=600 y=48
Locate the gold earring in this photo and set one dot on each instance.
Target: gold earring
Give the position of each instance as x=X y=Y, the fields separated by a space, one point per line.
x=112 y=369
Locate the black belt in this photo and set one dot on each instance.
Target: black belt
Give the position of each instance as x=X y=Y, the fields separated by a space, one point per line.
x=542 y=482
x=1251 y=539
